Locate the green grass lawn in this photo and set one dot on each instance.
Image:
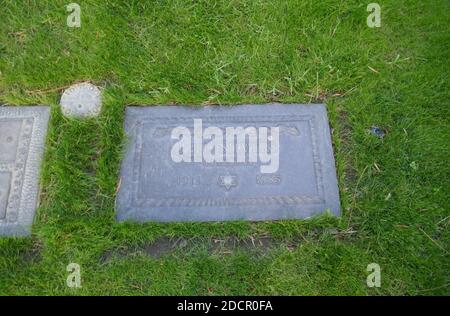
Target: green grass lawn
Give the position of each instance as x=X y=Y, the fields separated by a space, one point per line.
x=394 y=191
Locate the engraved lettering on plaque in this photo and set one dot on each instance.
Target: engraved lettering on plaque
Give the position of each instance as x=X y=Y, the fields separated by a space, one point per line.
x=152 y=187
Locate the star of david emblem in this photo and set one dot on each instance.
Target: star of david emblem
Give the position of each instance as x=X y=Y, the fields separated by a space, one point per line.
x=228 y=181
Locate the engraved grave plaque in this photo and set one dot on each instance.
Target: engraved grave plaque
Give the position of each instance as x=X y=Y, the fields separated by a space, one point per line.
x=218 y=163
x=22 y=138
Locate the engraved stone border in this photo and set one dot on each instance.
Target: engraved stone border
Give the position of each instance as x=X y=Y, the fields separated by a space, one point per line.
x=137 y=201
x=25 y=170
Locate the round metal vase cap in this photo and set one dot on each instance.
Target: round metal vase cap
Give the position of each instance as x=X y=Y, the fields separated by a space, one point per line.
x=81 y=100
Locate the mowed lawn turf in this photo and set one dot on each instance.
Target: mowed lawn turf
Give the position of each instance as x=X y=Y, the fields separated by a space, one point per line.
x=394 y=190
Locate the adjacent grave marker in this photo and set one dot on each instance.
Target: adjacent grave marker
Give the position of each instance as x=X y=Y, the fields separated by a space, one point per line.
x=22 y=139
x=217 y=163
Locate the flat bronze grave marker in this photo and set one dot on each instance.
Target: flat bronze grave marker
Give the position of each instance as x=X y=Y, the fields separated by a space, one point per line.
x=22 y=138
x=219 y=163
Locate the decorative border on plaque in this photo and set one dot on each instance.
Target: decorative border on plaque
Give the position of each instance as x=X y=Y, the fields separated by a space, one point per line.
x=137 y=201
